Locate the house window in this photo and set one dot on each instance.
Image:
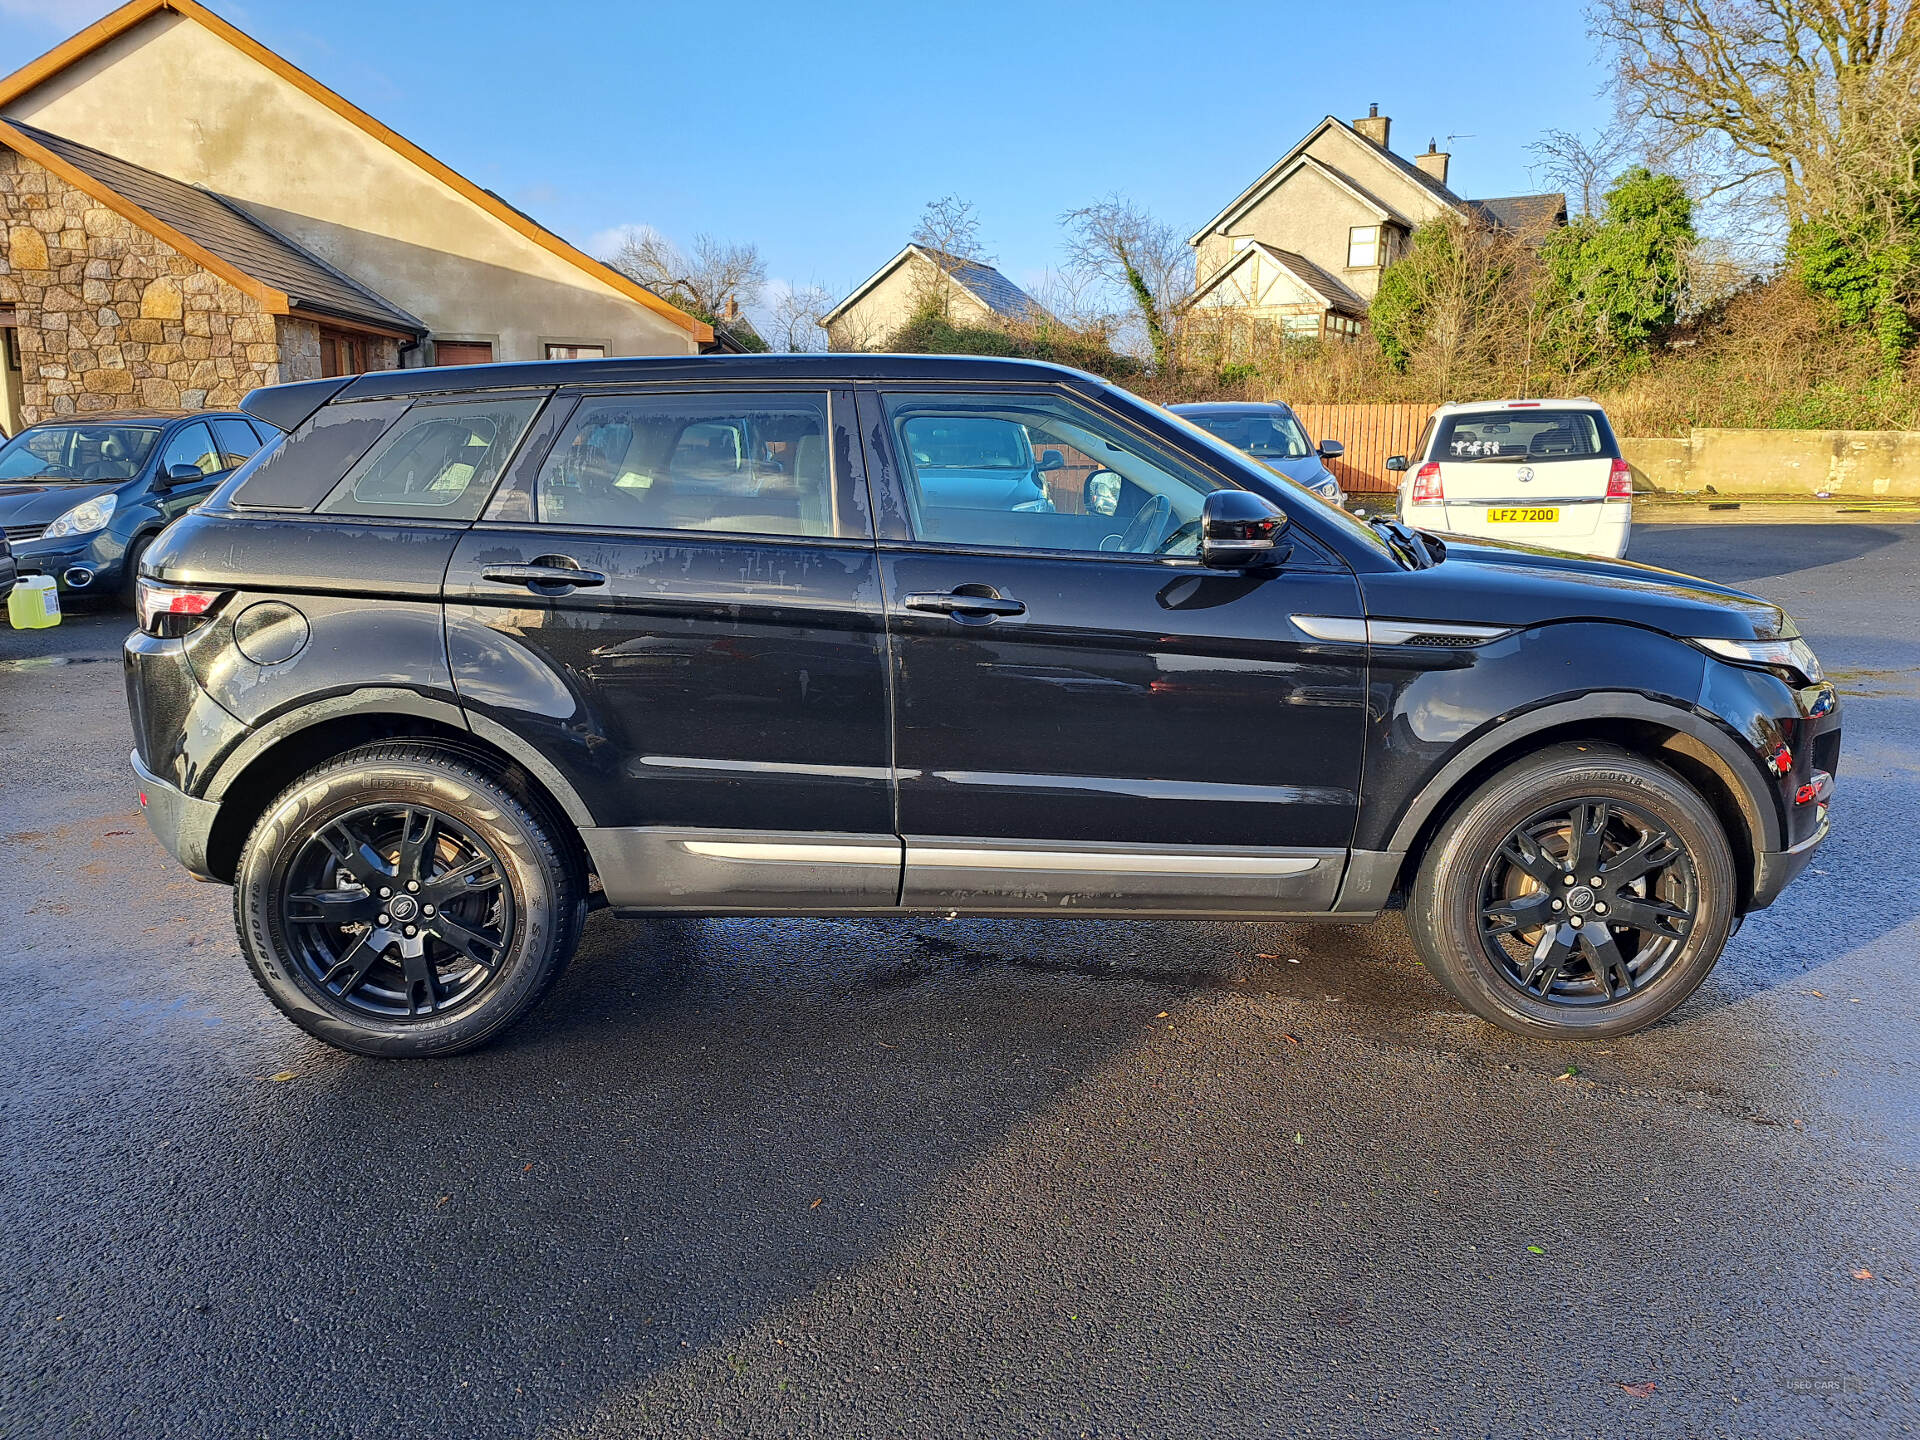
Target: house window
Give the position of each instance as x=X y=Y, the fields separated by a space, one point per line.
x=463 y=352
x=1342 y=327
x=1363 y=246
x=341 y=353
x=576 y=352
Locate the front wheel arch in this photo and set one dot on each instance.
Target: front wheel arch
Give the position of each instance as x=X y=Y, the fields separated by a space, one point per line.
x=1707 y=757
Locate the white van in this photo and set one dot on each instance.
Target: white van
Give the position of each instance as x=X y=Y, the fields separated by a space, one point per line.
x=1542 y=472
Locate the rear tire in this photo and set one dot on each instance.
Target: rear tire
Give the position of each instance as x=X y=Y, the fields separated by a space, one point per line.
x=398 y=901
x=1501 y=925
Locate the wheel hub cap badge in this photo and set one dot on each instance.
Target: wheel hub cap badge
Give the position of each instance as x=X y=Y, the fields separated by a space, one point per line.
x=1579 y=900
x=405 y=907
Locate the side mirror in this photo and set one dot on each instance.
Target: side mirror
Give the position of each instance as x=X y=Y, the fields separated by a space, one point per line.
x=1331 y=449
x=1101 y=493
x=1396 y=462
x=182 y=475
x=1239 y=529
x=1052 y=460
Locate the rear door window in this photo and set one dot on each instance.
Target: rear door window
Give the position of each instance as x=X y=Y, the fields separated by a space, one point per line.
x=236 y=440
x=439 y=462
x=192 y=445
x=1525 y=437
x=742 y=464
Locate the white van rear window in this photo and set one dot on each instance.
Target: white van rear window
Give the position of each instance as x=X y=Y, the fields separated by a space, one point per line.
x=1530 y=435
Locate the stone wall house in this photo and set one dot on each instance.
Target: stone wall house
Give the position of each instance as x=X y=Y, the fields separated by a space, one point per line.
x=304 y=237
x=1303 y=247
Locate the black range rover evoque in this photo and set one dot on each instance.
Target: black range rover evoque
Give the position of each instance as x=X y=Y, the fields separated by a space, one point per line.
x=469 y=650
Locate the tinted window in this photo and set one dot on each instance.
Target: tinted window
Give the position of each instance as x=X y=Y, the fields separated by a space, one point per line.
x=191 y=445
x=309 y=463
x=744 y=464
x=438 y=462
x=236 y=440
x=1530 y=435
x=1039 y=472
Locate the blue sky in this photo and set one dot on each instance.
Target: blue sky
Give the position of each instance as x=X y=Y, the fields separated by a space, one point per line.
x=819 y=131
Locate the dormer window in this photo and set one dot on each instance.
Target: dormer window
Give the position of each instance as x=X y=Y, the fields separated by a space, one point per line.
x=1363 y=246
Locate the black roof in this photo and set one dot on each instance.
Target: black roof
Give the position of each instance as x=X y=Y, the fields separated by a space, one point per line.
x=287 y=405
x=235 y=235
x=1524 y=212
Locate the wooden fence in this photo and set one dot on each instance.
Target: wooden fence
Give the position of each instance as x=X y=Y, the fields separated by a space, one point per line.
x=1371 y=433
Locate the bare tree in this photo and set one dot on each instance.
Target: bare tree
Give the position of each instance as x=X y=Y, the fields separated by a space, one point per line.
x=1815 y=100
x=1144 y=258
x=700 y=280
x=795 y=318
x=949 y=231
x=1583 y=166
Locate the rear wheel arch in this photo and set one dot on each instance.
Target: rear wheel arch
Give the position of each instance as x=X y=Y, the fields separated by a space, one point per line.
x=1704 y=755
x=277 y=754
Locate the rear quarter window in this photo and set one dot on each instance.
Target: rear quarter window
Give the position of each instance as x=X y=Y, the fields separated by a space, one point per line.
x=440 y=461
x=1529 y=435
x=304 y=469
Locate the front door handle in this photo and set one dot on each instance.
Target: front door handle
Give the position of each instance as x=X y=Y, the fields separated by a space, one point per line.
x=961 y=603
x=550 y=575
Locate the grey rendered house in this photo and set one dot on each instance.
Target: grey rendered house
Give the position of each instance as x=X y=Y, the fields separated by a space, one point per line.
x=1304 y=245
x=971 y=291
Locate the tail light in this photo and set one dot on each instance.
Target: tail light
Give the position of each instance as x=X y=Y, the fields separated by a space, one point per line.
x=1620 y=481
x=170 y=610
x=1427 y=489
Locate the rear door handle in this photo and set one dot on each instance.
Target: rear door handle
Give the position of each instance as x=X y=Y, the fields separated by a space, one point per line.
x=546 y=579
x=961 y=604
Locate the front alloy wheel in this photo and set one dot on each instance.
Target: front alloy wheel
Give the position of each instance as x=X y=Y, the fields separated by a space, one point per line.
x=1586 y=901
x=1581 y=893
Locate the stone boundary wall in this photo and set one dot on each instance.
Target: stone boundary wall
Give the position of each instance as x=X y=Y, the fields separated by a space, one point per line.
x=111 y=318
x=1848 y=464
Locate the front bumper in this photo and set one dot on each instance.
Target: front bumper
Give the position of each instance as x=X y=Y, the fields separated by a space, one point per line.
x=99 y=555
x=1774 y=870
x=181 y=823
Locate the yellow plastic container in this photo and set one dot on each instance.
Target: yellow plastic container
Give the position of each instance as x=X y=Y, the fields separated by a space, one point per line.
x=34 y=603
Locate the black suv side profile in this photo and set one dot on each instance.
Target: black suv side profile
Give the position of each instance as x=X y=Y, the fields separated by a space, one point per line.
x=469 y=651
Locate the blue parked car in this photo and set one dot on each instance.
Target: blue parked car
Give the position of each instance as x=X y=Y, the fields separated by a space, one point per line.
x=81 y=499
x=1272 y=434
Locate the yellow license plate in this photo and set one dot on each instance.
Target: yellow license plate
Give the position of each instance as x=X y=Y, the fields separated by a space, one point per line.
x=1524 y=515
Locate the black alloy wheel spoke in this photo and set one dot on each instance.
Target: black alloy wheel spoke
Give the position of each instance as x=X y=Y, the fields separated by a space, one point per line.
x=1605 y=960
x=1521 y=852
x=1656 y=917
x=416 y=841
x=1523 y=912
x=423 y=982
x=352 y=967
x=482 y=950
x=331 y=907
x=1651 y=852
x=1550 y=956
x=1589 y=832
x=457 y=883
x=354 y=855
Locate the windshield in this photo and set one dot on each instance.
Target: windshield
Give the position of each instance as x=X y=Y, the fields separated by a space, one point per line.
x=77 y=454
x=1264 y=434
x=954 y=442
x=1529 y=435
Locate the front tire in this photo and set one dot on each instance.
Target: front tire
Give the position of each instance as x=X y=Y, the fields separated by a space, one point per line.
x=1580 y=894
x=398 y=901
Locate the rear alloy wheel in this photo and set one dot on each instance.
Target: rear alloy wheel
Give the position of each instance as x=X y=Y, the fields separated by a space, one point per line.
x=400 y=902
x=1582 y=893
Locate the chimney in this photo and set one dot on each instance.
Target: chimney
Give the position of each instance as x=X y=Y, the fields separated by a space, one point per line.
x=1375 y=126
x=732 y=312
x=1433 y=164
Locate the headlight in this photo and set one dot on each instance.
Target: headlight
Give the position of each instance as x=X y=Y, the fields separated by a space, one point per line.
x=1795 y=655
x=84 y=518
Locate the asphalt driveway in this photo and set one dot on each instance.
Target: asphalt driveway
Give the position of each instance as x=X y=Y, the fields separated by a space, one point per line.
x=825 y=1178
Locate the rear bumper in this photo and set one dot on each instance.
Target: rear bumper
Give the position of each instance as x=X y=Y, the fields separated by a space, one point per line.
x=181 y=823
x=1600 y=529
